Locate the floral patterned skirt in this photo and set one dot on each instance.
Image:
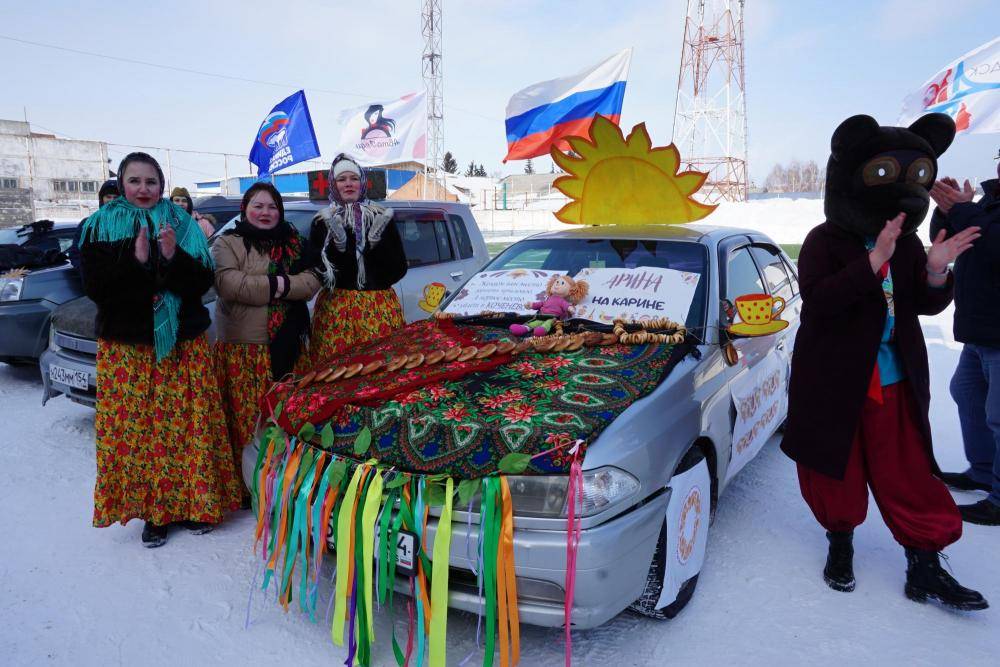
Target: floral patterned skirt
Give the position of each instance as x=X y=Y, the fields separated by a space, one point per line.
x=244 y=375
x=348 y=318
x=162 y=450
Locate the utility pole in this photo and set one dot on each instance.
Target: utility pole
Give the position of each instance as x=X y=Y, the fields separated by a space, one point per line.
x=430 y=21
x=710 y=116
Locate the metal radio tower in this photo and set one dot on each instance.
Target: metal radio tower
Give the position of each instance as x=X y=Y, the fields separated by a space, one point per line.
x=430 y=20
x=710 y=116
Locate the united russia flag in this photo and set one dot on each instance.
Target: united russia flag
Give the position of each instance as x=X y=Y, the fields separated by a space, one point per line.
x=542 y=114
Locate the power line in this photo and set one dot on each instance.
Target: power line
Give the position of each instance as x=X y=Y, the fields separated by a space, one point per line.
x=216 y=75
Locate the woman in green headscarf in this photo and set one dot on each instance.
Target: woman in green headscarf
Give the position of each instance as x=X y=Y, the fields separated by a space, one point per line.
x=162 y=451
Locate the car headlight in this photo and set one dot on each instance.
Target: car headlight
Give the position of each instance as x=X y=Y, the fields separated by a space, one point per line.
x=544 y=496
x=10 y=288
x=53 y=346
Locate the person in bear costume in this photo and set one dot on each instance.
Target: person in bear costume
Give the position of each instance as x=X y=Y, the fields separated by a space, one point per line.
x=859 y=390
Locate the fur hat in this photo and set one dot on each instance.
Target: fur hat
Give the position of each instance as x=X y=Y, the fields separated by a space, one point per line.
x=345 y=165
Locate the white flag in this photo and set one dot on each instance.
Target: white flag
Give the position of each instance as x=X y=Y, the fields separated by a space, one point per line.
x=968 y=90
x=386 y=132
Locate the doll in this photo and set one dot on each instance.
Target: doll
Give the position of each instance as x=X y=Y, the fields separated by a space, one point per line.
x=561 y=295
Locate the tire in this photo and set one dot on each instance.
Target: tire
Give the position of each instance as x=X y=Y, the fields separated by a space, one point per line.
x=646 y=604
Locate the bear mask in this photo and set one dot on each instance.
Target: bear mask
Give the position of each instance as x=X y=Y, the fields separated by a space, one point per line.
x=875 y=172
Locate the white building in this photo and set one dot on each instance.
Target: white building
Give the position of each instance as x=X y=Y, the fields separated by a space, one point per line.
x=42 y=176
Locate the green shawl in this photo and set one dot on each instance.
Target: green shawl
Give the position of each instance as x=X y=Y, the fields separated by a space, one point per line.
x=120 y=220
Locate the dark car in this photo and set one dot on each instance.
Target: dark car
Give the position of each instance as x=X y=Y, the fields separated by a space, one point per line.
x=35 y=278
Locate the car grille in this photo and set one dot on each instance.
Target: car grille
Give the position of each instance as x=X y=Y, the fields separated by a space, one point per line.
x=75 y=346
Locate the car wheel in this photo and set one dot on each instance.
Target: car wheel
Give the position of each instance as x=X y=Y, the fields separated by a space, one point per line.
x=650 y=603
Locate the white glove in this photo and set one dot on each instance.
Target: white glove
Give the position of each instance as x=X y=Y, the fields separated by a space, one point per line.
x=338 y=232
x=381 y=221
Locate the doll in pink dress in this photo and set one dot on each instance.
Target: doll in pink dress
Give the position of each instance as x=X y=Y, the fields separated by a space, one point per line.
x=562 y=293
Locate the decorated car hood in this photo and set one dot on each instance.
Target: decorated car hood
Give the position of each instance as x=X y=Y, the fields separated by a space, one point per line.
x=462 y=417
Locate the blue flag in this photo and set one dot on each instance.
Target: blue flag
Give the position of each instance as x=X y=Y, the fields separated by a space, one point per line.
x=285 y=137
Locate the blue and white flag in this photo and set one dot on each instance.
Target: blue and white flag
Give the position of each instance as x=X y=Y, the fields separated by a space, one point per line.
x=285 y=137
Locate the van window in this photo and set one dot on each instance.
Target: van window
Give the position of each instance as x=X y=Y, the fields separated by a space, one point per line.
x=425 y=237
x=457 y=225
x=778 y=282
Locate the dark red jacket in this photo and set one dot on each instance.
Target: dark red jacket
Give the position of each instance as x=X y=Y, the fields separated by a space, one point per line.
x=843 y=315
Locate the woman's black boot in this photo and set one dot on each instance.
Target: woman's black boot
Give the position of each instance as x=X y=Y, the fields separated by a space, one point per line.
x=153 y=536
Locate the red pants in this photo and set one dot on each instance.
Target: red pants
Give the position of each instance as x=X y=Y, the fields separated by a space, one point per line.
x=888 y=455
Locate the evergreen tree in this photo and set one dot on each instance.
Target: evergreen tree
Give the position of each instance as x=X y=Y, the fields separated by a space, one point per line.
x=449 y=163
x=480 y=171
x=528 y=167
x=471 y=171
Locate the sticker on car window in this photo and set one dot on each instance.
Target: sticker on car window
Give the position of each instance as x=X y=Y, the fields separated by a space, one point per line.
x=597 y=264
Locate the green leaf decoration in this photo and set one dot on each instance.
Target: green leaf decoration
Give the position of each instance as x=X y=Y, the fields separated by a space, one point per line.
x=363 y=442
x=326 y=436
x=399 y=480
x=337 y=472
x=307 y=432
x=435 y=495
x=467 y=489
x=514 y=463
x=277 y=410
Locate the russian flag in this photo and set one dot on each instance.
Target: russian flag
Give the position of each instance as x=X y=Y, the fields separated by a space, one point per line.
x=542 y=114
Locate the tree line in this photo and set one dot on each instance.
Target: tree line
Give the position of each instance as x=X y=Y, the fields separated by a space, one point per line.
x=796 y=177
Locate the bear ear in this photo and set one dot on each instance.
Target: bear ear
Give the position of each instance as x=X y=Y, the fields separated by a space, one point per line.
x=852 y=132
x=937 y=128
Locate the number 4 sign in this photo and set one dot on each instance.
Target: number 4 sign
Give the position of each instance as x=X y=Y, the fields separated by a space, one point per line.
x=406 y=553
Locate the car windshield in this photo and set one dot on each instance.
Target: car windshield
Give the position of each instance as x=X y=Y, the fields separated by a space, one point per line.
x=11 y=237
x=572 y=255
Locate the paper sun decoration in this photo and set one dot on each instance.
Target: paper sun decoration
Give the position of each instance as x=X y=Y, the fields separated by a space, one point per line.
x=619 y=181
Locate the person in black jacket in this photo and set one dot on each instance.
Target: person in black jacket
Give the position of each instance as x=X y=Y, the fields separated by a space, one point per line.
x=108 y=192
x=162 y=451
x=363 y=257
x=975 y=387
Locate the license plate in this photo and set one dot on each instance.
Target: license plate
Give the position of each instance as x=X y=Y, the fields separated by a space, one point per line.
x=75 y=379
x=407 y=545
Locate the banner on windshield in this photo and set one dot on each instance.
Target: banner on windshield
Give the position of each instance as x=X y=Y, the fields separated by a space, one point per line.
x=638 y=294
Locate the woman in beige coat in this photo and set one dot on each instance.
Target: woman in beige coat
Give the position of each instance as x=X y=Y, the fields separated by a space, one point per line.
x=264 y=275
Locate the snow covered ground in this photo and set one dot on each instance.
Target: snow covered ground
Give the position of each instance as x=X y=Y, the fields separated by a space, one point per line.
x=73 y=594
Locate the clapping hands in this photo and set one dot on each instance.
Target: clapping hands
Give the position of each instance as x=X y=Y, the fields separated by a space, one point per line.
x=946 y=193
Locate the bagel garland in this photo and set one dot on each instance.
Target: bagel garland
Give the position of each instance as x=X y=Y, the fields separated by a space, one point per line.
x=660 y=330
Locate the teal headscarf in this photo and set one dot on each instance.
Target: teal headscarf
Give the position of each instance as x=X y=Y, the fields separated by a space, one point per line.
x=120 y=220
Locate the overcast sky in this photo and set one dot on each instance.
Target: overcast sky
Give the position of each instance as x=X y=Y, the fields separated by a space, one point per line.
x=809 y=65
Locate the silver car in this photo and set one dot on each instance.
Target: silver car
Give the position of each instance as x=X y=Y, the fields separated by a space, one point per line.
x=443 y=248
x=654 y=476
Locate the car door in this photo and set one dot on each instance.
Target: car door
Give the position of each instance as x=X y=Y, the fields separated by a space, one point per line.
x=760 y=373
x=434 y=263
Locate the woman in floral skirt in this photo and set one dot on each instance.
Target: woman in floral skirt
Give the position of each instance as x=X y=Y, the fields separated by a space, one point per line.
x=264 y=275
x=162 y=452
x=363 y=257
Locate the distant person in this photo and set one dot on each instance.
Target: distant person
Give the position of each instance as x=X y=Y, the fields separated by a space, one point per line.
x=264 y=275
x=975 y=387
x=107 y=193
x=859 y=391
x=363 y=258
x=182 y=198
x=162 y=451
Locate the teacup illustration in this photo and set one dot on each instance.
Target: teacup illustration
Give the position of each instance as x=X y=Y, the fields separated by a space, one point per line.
x=758 y=309
x=433 y=293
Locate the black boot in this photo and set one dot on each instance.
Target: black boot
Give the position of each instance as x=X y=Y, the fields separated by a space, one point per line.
x=839 y=570
x=926 y=579
x=153 y=536
x=197 y=527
